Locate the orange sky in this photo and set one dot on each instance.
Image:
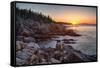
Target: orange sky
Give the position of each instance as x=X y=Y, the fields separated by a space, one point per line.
x=77 y=17
x=80 y=19
x=60 y=13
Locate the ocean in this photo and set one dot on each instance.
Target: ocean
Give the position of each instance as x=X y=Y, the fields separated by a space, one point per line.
x=87 y=42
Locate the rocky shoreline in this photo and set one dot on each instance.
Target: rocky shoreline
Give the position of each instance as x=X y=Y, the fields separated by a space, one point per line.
x=34 y=45
x=30 y=53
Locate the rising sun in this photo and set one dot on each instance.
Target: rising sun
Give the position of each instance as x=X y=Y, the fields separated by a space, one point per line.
x=74 y=22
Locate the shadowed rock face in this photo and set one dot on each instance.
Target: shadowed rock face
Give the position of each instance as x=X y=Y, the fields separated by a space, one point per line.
x=74 y=58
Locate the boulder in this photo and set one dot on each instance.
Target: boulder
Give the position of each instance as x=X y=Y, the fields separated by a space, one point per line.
x=25 y=33
x=44 y=63
x=19 y=38
x=43 y=60
x=33 y=59
x=53 y=60
x=69 y=47
x=19 y=61
x=71 y=32
x=33 y=45
x=20 y=45
x=72 y=57
x=60 y=46
x=57 y=55
x=22 y=55
x=29 y=39
x=28 y=51
x=41 y=51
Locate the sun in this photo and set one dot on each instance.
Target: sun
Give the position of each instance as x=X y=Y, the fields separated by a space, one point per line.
x=74 y=22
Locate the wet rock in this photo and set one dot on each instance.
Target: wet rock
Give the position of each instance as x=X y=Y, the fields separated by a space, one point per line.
x=29 y=51
x=29 y=39
x=33 y=45
x=64 y=60
x=43 y=63
x=60 y=46
x=69 y=41
x=57 y=55
x=19 y=61
x=69 y=47
x=22 y=55
x=50 y=44
x=54 y=60
x=64 y=51
x=58 y=40
x=72 y=40
x=26 y=33
x=33 y=59
x=92 y=57
x=74 y=58
x=72 y=33
x=43 y=60
x=20 y=45
x=41 y=51
x=19 y=38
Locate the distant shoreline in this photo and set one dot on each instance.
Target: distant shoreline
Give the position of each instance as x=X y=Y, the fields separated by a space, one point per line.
x=88 y=24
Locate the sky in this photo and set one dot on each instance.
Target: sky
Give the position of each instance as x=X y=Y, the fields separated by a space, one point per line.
x=61 y=13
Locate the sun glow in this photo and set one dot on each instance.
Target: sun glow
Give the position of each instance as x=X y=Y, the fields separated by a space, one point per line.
x=74 y=22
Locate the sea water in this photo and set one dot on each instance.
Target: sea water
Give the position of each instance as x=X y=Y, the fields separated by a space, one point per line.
x=87 y=42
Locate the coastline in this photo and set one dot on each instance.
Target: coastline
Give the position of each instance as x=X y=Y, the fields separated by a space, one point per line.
x=37 y=41
x=37 y=53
